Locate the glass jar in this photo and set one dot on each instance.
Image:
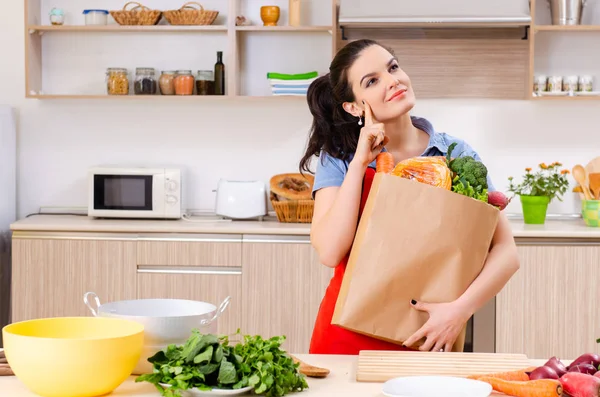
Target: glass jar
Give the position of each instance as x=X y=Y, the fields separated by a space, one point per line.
x=57 y=16
x=205 y=83
x=117 y=81
x=166 y=82
x=145 y=81
x=184 y=82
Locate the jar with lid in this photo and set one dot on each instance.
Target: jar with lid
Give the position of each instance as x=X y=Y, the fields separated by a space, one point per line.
x=166 y=82
x=205 y=83
x=117 y=81
x=145 y=81
x=184 y=82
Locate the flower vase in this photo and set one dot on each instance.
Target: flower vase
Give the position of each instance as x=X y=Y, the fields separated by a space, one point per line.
x=534 y=209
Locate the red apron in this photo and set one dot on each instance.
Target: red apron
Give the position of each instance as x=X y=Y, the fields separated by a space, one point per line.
x=331 y=339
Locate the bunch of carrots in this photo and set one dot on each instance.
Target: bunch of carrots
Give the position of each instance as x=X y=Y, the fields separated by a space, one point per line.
x=517 y=384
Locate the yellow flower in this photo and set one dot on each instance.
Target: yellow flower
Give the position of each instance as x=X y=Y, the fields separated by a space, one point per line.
x=543 y=166
x=564 y=172
x=528 y=169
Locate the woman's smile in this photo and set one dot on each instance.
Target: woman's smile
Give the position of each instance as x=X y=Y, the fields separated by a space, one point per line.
x=399 y=94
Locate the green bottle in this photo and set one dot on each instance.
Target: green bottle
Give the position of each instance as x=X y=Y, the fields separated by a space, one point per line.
x=219 y=75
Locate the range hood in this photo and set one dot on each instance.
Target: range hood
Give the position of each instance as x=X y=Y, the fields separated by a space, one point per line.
x=465 y=13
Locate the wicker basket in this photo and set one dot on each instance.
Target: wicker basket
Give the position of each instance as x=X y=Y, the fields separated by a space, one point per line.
x=139 y=15
x=188 y=15
x=294 y=211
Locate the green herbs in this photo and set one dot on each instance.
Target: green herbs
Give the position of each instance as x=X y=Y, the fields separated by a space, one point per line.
x=207 y=361
x=469 y=176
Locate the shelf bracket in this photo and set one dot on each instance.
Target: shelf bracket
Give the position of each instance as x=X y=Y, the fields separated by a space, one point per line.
x=343 y=33
x=525 y=32
x=32 y=31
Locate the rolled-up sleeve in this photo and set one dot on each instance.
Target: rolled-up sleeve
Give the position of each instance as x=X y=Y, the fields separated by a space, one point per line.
x=330 y=172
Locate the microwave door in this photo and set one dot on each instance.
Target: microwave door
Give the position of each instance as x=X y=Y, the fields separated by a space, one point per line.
x=123 y=193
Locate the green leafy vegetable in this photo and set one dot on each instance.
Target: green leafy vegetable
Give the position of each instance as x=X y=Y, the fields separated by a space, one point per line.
x=470 y=176
x=207 y=361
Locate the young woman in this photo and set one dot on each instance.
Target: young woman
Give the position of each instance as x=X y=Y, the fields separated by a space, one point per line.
x=359 y=108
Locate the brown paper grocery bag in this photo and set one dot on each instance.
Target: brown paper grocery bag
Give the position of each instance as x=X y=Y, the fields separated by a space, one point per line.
x=414 y=241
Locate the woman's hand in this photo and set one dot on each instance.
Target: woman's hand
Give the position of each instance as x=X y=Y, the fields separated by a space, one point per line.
x=446 y=321
x=371 y=141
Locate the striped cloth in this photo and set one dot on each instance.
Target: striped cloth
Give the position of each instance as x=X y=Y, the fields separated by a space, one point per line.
x=295 y=85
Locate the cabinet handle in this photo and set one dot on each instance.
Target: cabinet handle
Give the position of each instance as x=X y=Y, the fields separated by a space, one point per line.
x=206 y=270
x=276 y=239
x=208 y=238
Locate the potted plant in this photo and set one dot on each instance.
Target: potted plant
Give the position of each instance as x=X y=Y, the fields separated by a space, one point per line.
x=538 y=189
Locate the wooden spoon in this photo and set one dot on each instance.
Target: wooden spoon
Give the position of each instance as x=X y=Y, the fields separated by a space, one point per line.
x=580 y=175
x=595 y=184
x=310 y=370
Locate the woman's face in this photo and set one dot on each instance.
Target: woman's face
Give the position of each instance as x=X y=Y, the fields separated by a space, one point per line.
x=376 y=78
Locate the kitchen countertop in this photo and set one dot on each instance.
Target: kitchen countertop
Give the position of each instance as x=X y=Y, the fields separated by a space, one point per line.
x=340 y=382
x=571 y=228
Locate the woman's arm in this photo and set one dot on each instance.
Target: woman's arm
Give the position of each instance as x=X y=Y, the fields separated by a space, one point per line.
x=335 y=216
x=446 y=320
x=502 y=262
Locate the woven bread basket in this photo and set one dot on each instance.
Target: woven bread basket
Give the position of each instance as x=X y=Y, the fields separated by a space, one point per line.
x=139 y=15
x=293 y=211
x=189 y=15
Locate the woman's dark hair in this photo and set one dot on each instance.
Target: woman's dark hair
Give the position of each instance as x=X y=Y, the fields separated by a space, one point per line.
x=334 y=131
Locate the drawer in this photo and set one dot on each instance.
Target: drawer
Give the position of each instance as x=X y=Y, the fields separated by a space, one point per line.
x=198 y=250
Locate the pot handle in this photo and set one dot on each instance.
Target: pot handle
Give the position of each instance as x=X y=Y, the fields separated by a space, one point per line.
x=220 y=311
x=96 y=301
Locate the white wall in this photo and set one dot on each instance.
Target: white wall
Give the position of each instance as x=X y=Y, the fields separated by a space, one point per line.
x=58 y=140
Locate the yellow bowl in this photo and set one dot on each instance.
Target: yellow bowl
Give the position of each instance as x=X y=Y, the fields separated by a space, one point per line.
x=73 y=356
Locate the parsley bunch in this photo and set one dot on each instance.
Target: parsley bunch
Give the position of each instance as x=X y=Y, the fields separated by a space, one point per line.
x=207 y=361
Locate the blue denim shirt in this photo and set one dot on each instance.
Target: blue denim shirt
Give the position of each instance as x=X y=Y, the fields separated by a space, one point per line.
x=331 y=171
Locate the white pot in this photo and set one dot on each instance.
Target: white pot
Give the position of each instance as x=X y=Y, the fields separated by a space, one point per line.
x=165 y=321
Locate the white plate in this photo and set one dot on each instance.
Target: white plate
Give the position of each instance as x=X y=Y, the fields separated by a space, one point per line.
x=435 y=386
x=214 y=392
x=588 y=93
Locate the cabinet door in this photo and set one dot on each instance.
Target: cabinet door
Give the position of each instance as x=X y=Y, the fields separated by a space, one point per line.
x=197 y=267
x=550 y=307
x=52 y=271
x=283 y=284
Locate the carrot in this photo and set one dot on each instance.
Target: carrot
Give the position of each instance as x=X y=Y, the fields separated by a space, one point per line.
x=384 y=162
x=520 y=374
x=530 y=388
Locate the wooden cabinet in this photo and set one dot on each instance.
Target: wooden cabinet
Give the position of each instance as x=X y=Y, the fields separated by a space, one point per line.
x=51 y=272
x=282 y=285
x=196 y=267
x=551 y=306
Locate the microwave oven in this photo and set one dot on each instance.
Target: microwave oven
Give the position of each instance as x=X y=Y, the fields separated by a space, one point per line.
x=122 y=192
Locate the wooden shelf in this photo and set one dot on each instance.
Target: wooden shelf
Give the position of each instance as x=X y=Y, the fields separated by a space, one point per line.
x=166 y=97
x=121 y=29
x=566 y=98
x=284 y=28
x=560 y=28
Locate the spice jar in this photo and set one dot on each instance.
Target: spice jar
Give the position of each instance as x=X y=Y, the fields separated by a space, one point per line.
x=117 y=82
x=166 y=83
x=205 y=83
x=184 y=82
x=145 y=81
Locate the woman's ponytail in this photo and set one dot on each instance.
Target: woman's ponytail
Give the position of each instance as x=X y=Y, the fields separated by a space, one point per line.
x=333 y=131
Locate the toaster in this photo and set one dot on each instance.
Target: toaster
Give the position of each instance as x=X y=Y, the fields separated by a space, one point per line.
x=241 y=199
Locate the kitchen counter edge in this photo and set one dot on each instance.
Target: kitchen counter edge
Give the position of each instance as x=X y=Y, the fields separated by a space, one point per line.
x=553 y=229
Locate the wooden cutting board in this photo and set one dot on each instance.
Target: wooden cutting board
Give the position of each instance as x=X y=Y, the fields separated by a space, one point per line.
x=380 y=366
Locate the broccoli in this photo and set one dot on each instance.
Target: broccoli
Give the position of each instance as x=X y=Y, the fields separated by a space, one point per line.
x=467 y=171
x=470 y=170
